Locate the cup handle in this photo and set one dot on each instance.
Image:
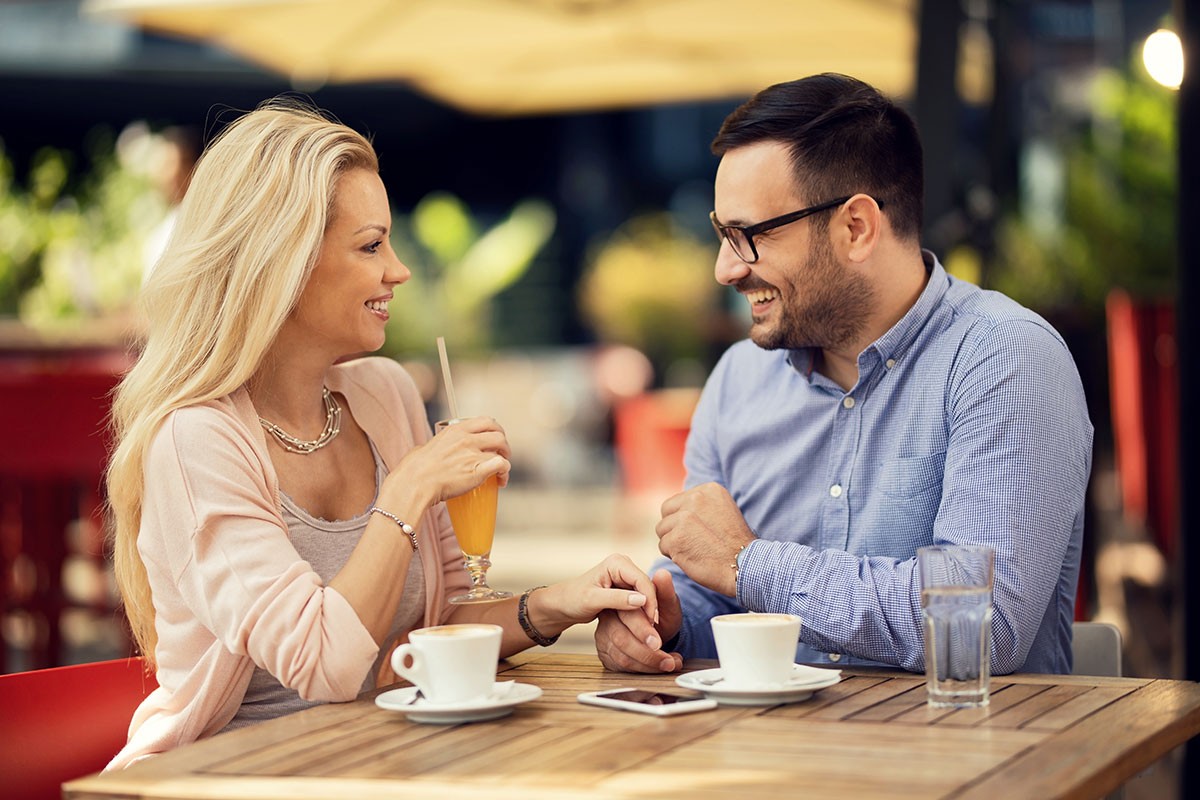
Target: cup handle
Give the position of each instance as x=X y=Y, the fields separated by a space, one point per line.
x=414 y=673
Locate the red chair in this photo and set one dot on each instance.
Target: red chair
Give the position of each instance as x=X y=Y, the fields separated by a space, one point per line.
x=63 y=723
x=651 y=431
x=1144 y=388
x=51 y=467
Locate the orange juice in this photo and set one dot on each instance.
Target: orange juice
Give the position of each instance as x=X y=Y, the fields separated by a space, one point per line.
x=474 y=517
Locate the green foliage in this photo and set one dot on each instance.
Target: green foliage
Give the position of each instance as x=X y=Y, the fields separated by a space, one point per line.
x=25 y=224
x=71 y=251
x=649 y=285
x=1118 y=226
x=458 y=268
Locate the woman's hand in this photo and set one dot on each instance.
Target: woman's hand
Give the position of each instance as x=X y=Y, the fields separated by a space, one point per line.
x=627 y=642
x=456 y=460
x=615 y=583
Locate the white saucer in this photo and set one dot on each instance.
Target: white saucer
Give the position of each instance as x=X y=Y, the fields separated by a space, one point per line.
x=804 y=681
x=421 y=710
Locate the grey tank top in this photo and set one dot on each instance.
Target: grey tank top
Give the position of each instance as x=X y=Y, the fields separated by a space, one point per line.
x=327 y=546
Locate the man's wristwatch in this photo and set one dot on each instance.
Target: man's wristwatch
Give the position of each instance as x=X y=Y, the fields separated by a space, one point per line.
x=741 y=554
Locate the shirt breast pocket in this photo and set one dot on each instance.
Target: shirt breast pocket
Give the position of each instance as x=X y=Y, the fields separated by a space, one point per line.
x=906 y=478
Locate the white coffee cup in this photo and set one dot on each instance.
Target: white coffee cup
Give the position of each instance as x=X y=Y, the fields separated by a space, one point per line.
x=756 y=650
x=450 y=663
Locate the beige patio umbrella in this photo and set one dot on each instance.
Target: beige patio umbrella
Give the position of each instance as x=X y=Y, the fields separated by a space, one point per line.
x=546 y=56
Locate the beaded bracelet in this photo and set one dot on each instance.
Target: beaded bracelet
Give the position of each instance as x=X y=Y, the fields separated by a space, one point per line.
x=404 y=526
x=526 y=625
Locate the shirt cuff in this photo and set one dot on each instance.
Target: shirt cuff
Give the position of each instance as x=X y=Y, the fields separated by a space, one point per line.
x=750 y=574
x=772 y=575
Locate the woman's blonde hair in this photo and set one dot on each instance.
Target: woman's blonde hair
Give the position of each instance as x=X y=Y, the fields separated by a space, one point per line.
x=247 y=235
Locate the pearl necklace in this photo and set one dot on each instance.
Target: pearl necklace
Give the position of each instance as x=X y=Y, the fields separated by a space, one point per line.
x=333 y=426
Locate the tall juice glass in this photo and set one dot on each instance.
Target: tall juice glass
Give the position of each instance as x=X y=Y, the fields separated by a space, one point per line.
x=473 y=515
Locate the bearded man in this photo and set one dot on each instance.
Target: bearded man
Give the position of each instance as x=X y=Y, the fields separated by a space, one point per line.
x=879 y=406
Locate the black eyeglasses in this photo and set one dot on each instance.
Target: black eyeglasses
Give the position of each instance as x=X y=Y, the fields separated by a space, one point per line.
x=741 y=237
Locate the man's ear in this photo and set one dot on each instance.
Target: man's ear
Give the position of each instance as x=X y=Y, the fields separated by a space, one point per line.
x=860 y=225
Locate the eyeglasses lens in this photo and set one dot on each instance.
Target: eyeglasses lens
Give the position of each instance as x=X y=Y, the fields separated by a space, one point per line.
x=737 y=240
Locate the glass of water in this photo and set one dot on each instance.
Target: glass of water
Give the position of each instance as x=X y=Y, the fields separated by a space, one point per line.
x=956 y=604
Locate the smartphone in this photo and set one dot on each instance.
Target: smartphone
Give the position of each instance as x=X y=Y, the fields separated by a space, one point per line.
x=660 y=704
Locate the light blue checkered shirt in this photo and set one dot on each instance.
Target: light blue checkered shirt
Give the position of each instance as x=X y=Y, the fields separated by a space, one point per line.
x=967 y=425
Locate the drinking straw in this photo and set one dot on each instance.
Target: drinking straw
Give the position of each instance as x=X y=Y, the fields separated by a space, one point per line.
x=441 y=342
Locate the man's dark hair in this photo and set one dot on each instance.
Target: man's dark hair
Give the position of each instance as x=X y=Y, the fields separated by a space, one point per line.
x=844 y=137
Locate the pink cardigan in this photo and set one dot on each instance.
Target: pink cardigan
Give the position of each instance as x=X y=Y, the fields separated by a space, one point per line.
x=229 y=589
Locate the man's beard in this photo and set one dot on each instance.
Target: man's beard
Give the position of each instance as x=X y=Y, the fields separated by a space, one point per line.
x=834 y=314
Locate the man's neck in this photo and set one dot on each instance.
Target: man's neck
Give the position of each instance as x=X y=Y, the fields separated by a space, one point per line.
x=837 y=367
x=898 y=290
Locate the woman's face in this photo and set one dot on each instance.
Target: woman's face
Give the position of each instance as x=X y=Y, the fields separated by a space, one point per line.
x=343 y=308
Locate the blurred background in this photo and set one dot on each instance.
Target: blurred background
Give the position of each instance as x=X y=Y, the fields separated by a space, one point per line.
x=548 y=167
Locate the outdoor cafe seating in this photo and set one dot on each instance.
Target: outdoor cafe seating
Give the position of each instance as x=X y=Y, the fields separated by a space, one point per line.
x=51 y=497
x=66 y=722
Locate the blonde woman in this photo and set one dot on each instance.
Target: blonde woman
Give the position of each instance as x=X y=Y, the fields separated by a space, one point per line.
x=277 y=509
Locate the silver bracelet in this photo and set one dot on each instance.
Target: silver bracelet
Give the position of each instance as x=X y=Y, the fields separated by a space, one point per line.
x=404 y=526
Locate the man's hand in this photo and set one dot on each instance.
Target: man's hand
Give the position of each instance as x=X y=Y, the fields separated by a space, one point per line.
x=626 y=641
x=702 y=531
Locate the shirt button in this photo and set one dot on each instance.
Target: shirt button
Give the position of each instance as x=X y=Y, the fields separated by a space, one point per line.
x=835 y=490
x=835 y=657
x=848 y=402
x=891 y=362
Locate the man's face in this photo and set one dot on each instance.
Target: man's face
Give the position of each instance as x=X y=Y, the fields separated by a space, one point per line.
x=800 y=294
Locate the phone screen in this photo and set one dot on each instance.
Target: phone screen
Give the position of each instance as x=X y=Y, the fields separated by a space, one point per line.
x=647 y=698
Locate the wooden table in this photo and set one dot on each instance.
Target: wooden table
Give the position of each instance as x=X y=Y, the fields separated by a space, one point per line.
x=869 y=736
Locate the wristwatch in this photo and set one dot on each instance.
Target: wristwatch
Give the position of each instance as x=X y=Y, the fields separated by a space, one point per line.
x=741 y=554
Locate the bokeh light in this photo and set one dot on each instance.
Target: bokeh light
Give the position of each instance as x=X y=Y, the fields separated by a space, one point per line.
x=1163 y=57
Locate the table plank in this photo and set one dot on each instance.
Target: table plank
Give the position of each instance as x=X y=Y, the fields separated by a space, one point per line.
x=189 y=787
x=850 y=685
x=1114 y=745
x=1040 y=701
x=519 y=753
x=896 y=705
x=431 y=756
x=870 y=696
x=1077 y=708
x=766 y=754
x=309 y=751
x=1003 y=698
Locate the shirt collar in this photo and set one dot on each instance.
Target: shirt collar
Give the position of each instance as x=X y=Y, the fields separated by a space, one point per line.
x=802 y=361
x=895 y=342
